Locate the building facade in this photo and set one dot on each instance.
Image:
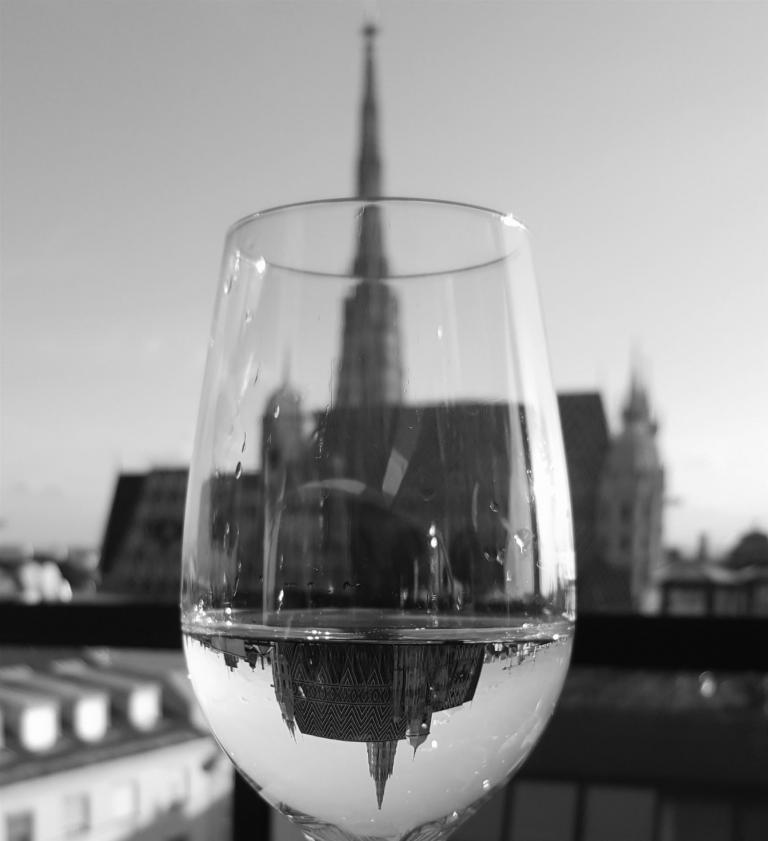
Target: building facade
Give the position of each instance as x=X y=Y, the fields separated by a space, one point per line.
x=102 y=749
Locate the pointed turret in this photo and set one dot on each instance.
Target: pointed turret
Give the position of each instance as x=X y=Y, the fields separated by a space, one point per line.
x=637 y=408
x=631 y=500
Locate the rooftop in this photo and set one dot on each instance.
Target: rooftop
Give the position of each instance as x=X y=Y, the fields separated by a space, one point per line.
x=63 y=709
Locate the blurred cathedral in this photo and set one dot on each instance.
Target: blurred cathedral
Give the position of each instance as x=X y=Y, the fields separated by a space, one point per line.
x=616 y=483
x=617 y=495
x=631 y=502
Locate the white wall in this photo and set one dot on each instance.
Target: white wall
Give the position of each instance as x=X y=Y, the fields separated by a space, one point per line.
x=204 y=798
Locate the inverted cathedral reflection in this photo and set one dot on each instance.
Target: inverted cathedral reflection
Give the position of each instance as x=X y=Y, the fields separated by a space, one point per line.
x=377 y=694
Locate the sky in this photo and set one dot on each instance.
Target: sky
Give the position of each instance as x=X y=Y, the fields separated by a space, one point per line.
x=629 y=137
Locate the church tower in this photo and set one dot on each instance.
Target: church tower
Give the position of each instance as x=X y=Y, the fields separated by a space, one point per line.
x=370 y=370
x=631 y=499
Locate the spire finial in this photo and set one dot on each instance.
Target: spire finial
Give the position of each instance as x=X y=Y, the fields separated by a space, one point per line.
x=637 y=408
x=370 y=261
x=369 y=164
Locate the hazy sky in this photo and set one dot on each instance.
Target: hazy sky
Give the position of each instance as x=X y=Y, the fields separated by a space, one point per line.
x=630 y=137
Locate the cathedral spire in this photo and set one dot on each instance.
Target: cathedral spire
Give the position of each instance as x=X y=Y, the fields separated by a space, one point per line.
x=369 y=163
x=370 y=369
x=381 y=763
x=370 y=262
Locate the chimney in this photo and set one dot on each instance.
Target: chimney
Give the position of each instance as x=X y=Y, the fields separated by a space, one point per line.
x=85 y=711
x=31 y=717
x=136 y=699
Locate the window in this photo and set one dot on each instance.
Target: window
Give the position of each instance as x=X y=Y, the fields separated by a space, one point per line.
x=544 y=810
x=125 y=801
x=178 y=788
x=77 y=815
x=20 y=827
x=607 y=808
x=693 y=819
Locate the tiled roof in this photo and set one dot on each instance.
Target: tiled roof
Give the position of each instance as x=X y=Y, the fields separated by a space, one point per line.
x=127 y=494
x=49 y=712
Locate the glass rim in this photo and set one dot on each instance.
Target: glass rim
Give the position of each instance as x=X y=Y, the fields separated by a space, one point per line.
x=508 y=219
x=464 y=213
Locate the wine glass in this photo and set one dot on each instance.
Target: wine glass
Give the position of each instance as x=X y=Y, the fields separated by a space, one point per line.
x=378 y=573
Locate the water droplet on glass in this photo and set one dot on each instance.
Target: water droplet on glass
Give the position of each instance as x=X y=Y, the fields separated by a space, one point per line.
x=494 y=506
x=256 y=375
x=239 y=469
x=523 y=539
x=233 y=272
x=245 y=436
x=439 y=331
x=277 y=411
x=248 y=316
x=486 y=784
x=260 y=265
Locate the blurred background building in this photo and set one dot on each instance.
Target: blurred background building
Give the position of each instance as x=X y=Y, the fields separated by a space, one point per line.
x=109 y=746
x=97 y=745
x=617 y=479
